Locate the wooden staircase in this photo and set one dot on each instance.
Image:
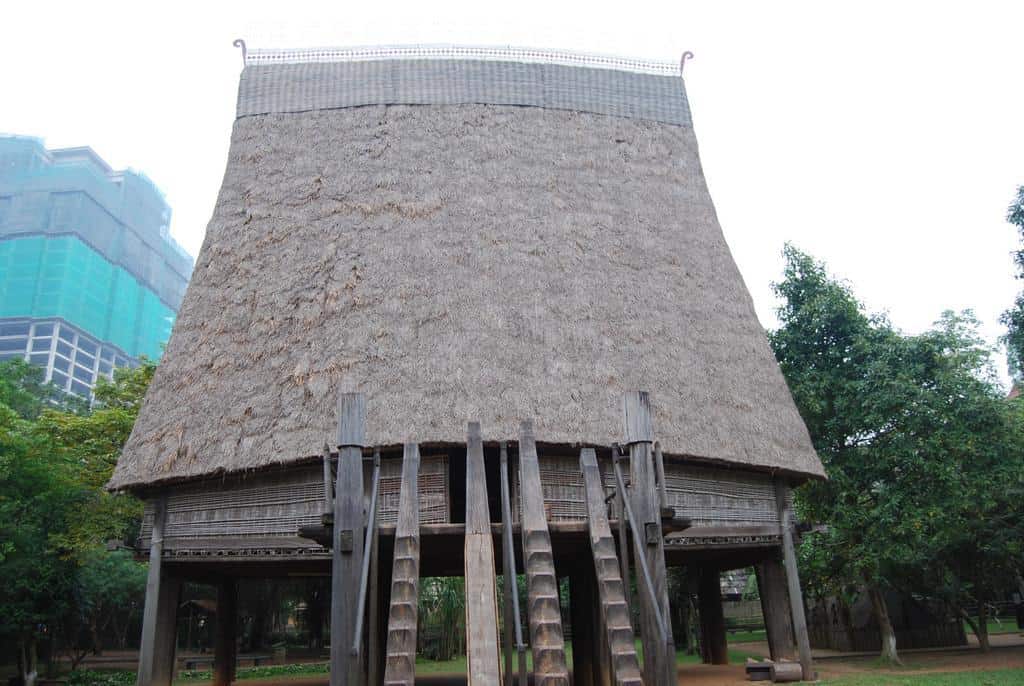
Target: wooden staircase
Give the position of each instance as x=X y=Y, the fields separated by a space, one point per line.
x=611 y=590
x=400 y=660
x=546 y=638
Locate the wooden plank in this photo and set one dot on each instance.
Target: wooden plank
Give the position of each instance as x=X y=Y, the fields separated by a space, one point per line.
x=796 y=598
x=547 y=640
x=636 y=414
x=400 y=666
x=712 y=619
x=484 y=668
x=644 y=499
x=225 y=649
x=328 y=485
x=771 y=586
x=159 y=634
x=618 y=644
x=351 y=420
x=484 y=665
x=478 y=515
x=347 y=540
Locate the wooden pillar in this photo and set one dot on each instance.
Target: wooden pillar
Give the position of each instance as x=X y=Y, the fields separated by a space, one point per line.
x=159 y=626
x=714 y=647
x=347 y=539
x=796 y=598
x=584 y=633
x=771 y=586
x=225 y=645
x=659 y=651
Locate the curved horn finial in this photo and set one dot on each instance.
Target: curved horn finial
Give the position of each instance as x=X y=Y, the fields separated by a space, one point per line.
x=240 y=43
x=682 y=61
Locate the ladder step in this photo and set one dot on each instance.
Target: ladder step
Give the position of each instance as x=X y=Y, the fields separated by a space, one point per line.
x=611 y=590
x=400 y=660
x=547 y=641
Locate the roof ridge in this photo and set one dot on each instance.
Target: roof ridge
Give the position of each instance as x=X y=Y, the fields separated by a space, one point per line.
x=499 y=53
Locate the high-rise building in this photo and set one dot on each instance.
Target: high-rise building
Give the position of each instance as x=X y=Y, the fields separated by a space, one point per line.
x=90 y=278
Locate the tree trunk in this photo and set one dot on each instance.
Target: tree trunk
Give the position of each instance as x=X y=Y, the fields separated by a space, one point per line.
x=981 y=631
x=881 y=612
x=28 y=660
x=94 y=635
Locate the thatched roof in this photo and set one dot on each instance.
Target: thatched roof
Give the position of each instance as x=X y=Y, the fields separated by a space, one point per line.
x=461 y=261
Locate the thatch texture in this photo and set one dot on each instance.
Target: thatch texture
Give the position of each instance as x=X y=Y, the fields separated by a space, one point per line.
x=455 y=263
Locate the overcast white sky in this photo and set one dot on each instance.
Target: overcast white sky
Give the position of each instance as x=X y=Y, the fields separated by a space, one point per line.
x=884 y=138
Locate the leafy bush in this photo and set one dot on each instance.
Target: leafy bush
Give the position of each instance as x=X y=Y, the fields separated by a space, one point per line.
x=89 y=677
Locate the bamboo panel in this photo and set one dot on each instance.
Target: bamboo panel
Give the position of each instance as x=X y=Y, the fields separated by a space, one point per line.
x=711 y=496
x=432 y=482
x=278 y=504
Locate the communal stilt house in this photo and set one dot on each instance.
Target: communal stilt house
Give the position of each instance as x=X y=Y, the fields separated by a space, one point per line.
x=465 y=311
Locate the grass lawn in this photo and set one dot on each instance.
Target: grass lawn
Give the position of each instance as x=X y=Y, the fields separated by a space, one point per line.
x=1006 y=625
x=747 y=636
x=997 y=677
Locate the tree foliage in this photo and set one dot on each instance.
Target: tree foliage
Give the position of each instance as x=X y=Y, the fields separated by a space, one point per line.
x=923 y=454
x=56 y=455
x=1013 y=318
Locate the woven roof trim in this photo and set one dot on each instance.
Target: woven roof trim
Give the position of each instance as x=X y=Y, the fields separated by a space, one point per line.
x=258 y=56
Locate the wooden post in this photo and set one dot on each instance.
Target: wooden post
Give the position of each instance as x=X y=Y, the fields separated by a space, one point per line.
x=508 y=620
x=373 y=631
x=796 y=598
x=159 y=626
x=771 y=586
x=484 y=665
x=712 y=619
x=584 y=633
x=347 y=538
x=659 y=652
x=225 y=647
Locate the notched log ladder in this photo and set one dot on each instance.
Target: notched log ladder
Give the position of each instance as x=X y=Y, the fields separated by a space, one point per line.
x=400 y=666
x=610 y=587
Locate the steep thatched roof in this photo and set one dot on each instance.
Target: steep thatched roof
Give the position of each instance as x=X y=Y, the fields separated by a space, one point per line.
x=461 y=261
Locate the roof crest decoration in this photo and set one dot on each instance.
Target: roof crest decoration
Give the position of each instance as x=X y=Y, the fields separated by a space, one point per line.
x=264 y=56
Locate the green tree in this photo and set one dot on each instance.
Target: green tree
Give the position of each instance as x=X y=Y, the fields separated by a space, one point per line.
x=1013 y=318
x=37 y=572
x=55 y=516
x=918 y=445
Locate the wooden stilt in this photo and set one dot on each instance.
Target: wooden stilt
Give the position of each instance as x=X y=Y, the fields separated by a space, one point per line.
x=796 y=598
x=771 y=585
x=225 y=647
x=659 y=655
x=584 y=636
x=347 y=538
x=481 y=602
x=712 y=619
x=374 y=661
x=508 y=619
x=546 y=639
x=159 y=627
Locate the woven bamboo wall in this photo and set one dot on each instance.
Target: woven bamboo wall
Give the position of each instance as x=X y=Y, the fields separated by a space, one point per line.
x=268 y=509
x=708 y=496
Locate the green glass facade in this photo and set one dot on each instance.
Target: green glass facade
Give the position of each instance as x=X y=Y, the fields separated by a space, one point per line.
x=61 y=276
